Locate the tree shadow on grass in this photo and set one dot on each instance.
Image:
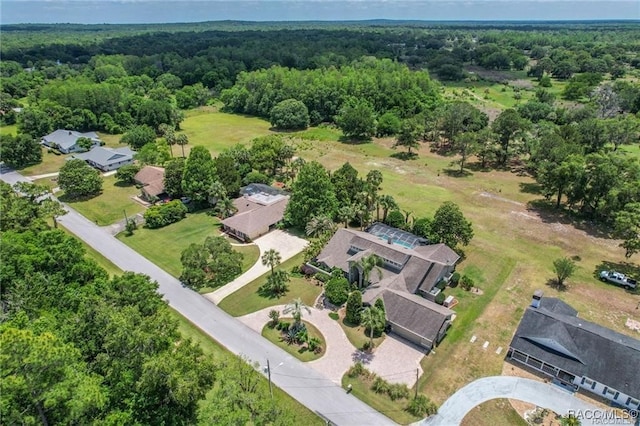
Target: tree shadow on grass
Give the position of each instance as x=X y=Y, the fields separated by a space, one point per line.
x=64 y=198
x=554 y=284
x=531 y=188
x=263 y=291
x=404 y=156
x=456 y=173
x=123 y=184
x=546 y=211
x=353 y=141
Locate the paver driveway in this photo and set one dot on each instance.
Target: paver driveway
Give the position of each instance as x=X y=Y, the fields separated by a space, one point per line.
x=394 y=360
x=286 y=244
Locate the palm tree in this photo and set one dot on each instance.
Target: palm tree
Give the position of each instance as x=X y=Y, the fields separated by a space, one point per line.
x=225 y=208
x=319 y=225
x=295 y=308
x=296 y=165
x=182 y=140
x=271 y=258
x=388 y=203
x=277 y=283
x=169 y=135
x=366 y=265
x=346 y=214
x=217 y=190
x=373 y=319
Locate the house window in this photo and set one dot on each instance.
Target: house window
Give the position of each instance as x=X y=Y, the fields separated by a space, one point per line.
x=616 y=396
x=593 y=385
x=586 y=381
x=582 y=381
x=610 y=392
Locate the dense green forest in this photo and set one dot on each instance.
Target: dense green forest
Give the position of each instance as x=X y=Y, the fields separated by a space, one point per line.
x=66 y=325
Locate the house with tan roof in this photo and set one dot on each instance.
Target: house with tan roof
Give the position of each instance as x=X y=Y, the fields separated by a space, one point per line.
x=150 y=179
x=410 y=269
x=259 y=209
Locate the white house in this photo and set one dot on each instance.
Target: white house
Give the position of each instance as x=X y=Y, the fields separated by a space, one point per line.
x=66 y=141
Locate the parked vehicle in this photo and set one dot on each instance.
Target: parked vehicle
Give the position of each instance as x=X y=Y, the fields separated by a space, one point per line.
x=618 y=279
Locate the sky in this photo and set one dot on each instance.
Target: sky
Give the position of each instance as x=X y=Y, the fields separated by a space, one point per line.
x=166 y=11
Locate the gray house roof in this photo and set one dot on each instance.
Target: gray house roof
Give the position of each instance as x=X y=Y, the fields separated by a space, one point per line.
x=104 y=157
x=554 y=334
x=420 y=266
x=415 y=314
x=68 y=138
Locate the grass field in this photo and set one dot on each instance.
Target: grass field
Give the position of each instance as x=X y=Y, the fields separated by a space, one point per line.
x=164 y=246
x=357 y=335
x=302 y=353
x=247 y=299
x=496 y=412
x=395 y=410
x=8 y=130
x=110 y=206
x=218 y=131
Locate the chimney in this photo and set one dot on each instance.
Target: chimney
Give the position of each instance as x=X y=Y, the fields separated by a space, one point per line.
x=537 y=296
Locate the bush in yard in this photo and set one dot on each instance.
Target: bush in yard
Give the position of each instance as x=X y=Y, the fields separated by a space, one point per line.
x=290 y=114
x=126 y=173
x=398 y=391
x=78 y=179
x=441 y=284
x=421 y=406
x=164 y=214
x=466 y=283
x=455 y=278
x=274 y=316
x=354 y=306
x=380 y=385
x=337 y=290
x=356 y=370
x=440 y=298
x=282 y=325
x=210 y=264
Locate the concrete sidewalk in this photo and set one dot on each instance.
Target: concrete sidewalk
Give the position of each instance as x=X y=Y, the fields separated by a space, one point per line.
x=286 y=244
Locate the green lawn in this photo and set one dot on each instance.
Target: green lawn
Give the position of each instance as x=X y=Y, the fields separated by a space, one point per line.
x=164 y=246
x=361 y=388
x=217 y=130
x=357 y=337
x=300 y=352
x=51 y=163
x=247 y=299
x=8 y=130
x=251 y=254
x=111 y=205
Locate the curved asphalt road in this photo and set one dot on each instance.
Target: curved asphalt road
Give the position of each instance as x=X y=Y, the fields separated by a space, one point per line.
x=475 y=393
x=303 y=383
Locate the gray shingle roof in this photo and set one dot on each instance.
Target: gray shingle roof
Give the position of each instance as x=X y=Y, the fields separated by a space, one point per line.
x=106 y=156
x=416 y=314
x=554 y=334
x=67 y=138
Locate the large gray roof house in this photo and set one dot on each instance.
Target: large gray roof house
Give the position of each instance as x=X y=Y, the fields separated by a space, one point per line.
x=576 y=353
x=410 y=269
x=107 y=159
x=259 y=209
x=66 y=141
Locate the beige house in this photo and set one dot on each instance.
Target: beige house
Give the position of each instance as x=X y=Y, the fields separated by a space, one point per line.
x=410 y=270
x=150 y=179
x=259 y=209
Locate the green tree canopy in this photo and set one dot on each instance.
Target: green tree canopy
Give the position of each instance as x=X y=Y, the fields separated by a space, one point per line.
x=77 y=179
x=450 y=226
x=199 y=174
x=290 y=114
x=312 y=194
x=357 y=119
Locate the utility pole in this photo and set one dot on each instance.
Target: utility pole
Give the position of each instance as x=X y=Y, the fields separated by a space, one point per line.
x=269 y=375
x=417 y=376
x=126 y=219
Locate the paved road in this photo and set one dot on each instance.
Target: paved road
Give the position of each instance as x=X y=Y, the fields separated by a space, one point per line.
x=475 y=393
x=286 y=244
x=306 y=385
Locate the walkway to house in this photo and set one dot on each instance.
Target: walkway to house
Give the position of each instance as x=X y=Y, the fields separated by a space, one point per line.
x=395 y=360
x=286 y=244
x=475 y=393
x=46 y=175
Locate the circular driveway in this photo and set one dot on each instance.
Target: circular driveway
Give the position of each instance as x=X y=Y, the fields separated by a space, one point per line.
x=475 y=393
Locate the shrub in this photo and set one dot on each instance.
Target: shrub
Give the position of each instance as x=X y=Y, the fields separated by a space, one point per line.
x=354 y=306
x=455 y=278
x=322 y=277
x=274 y=316
x=380 y=385
x=421 y=406
x=282 y=325
x=290 y=114
x=441 y=284
x=127 y=173
x=398 y=391
x=466 y=283
x=256 y=177
x=334 y=316
x=164 y=214
x=440 y=298
x=356 y=370
x=337 y=290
